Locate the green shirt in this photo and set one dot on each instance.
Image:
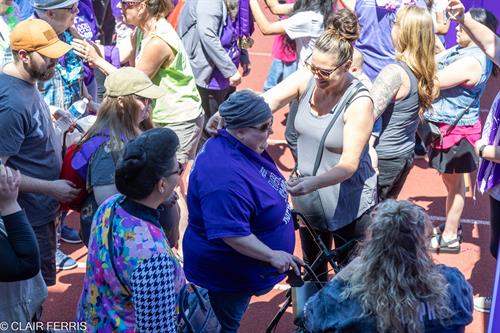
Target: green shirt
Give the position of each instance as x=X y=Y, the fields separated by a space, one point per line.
x=182 y=101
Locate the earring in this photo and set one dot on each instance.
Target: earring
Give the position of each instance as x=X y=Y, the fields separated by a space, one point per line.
x=161 y=190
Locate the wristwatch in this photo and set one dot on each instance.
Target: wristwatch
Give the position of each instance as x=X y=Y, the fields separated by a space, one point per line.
x=481 y=149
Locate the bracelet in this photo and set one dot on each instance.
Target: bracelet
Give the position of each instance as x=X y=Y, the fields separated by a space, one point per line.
x=481 y=150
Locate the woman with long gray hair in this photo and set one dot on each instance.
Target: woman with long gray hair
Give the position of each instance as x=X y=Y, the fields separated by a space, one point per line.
x=393 y=285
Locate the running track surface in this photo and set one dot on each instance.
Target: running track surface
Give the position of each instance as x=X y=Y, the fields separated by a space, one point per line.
x=423 y=186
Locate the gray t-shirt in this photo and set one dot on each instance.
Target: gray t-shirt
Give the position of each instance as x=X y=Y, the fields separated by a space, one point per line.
x=28 y=138
x=101 y=172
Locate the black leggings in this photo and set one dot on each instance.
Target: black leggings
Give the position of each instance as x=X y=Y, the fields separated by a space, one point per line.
x=354 y=230
x=495 y=226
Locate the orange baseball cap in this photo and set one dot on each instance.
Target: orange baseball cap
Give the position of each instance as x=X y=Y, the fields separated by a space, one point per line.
x=37 y=35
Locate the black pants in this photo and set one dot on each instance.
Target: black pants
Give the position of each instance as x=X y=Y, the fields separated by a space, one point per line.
x=46 y=238
x=210 y=101
x=393 y=174
x=354 y=230
x=495 y=226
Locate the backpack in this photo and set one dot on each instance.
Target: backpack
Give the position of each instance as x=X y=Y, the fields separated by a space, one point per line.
x=74 y=168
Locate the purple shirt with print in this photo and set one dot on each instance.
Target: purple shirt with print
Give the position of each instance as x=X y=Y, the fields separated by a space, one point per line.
x=234 y=192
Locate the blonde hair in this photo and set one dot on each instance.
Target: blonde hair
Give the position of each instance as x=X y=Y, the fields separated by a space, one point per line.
x=415 y=47
x=118 y=121
x=397 y=274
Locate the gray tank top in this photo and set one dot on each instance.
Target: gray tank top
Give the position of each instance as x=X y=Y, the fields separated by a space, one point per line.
x=348 y=200
x=399 y=122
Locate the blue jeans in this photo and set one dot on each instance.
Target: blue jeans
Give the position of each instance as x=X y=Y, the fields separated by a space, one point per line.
x=230 y=308
x=278 y=71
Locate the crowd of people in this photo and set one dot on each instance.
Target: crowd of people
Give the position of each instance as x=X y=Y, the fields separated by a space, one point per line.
x=106 y=109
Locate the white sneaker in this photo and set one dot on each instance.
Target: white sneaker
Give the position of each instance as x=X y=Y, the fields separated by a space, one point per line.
x=482 y=304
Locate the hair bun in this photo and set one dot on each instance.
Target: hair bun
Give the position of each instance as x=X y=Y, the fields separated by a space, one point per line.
x=132 y=164
x=344 y=25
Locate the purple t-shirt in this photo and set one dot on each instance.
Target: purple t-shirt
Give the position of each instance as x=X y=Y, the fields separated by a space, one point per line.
x=234 y=192
x=375 y=41
x=85 y=24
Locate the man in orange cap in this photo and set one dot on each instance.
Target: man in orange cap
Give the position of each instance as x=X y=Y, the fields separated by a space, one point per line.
x=27 y=139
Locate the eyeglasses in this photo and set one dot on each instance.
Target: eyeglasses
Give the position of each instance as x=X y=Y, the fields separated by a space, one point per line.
x=129 y=4
x=73 y=9
x=322 y=73
x=266 y=127
x=180 y=169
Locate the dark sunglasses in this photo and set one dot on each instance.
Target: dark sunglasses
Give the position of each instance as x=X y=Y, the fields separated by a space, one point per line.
x=73 y=9
x=180 y=169
x=264 y=127
x=322 y=73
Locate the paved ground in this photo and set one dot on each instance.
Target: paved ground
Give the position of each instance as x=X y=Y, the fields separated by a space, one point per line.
x=423 y=186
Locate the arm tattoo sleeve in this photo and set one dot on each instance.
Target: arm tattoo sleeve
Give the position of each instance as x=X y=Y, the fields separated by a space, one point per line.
x=385 y=88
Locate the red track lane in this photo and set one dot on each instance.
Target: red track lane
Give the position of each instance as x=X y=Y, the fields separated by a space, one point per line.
x=423 y=186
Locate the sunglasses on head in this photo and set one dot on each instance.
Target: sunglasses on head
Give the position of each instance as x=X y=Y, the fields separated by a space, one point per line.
x=264 y=127
x=129 y=4
x=322 y=73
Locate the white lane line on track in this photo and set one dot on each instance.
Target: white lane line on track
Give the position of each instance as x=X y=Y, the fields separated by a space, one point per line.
x=466 y=221
x=260 y=54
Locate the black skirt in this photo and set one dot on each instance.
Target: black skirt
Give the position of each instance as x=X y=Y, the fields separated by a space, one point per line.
x=460 y=158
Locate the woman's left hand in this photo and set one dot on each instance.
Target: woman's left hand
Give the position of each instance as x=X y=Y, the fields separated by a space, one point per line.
x=88 y=51
x=302 y=185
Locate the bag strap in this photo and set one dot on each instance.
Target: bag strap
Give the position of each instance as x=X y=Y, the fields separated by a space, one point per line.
x=183 y=298
x=111 y=248
x=343 y=103
x=460 y=115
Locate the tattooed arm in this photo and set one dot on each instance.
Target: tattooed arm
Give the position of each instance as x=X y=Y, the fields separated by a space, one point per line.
x=385 y=88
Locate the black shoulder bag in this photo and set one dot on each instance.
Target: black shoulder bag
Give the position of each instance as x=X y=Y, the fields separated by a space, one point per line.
x=429 y=132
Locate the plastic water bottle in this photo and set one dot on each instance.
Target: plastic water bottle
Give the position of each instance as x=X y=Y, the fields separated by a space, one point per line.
x=78 y=108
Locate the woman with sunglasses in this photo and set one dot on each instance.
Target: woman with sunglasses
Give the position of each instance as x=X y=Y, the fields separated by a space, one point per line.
x=345 y=179
x=123 y=115
x=158 y=52
x=402 y=92
x=240 y=235
x=133 y=279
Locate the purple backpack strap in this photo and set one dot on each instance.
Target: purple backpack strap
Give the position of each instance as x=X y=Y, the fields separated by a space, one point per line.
x=80 y=161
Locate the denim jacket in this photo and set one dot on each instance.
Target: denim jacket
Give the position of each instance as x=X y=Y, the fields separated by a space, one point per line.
x=453 y=100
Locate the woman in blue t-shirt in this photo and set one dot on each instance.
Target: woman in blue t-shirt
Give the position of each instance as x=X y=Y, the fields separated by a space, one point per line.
x=240 y=235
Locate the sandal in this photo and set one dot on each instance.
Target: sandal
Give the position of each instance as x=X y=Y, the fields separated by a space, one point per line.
x=440 y=228
x=444 y=245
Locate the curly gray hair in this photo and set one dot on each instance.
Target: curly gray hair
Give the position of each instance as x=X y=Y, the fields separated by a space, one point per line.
x=397 y=275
